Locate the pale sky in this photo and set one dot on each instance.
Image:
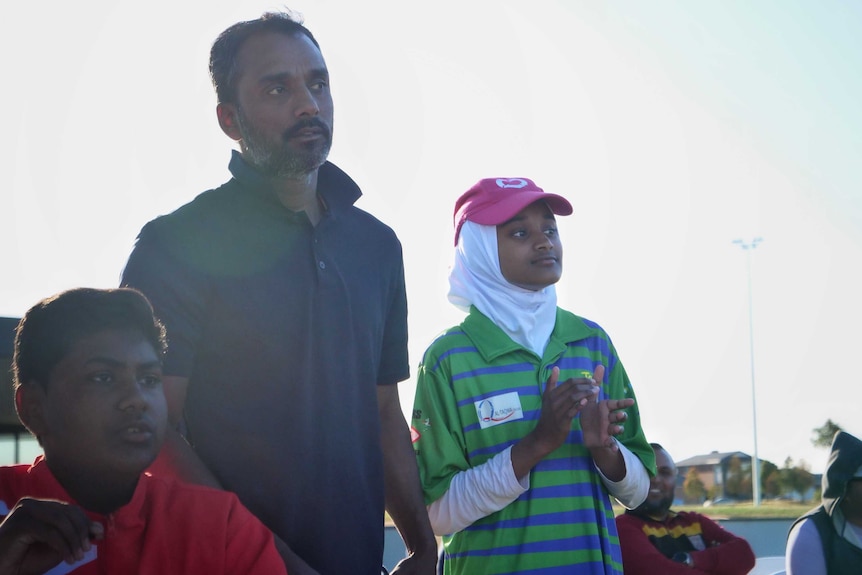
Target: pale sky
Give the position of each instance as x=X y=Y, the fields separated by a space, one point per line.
x=673 y=127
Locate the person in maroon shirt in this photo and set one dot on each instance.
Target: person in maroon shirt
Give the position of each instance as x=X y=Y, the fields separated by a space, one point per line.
x=654 y=539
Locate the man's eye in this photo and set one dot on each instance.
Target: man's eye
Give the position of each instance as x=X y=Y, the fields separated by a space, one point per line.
x=321 y=85
x=276 y=90
x=102 y=378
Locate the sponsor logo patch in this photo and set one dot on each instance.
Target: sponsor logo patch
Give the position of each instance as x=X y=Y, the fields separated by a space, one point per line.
x=499 y=409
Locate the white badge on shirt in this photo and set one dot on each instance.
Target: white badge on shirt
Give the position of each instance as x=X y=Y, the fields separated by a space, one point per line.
x=697 y=541
x=499 y=409
x=63 y=568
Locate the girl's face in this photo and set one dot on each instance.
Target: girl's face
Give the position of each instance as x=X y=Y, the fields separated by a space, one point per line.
x=529 y=248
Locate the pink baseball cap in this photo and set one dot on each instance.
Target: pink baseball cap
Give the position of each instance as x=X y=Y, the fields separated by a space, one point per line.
x=492 y=201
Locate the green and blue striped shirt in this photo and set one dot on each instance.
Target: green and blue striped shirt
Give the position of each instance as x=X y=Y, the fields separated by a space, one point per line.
x=478 y=392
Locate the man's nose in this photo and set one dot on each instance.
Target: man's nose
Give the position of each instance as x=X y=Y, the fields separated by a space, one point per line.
x=306 y=104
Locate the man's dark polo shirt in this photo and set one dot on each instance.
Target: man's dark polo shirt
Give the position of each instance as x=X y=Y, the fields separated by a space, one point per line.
x=284 y=330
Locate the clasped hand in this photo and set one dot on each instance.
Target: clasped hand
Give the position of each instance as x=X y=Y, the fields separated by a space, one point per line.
x=600 y=421
x=37 y=534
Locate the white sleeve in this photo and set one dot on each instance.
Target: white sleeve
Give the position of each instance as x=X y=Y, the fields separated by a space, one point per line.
x=631 y=490
x=804 y=550
x=476 y=493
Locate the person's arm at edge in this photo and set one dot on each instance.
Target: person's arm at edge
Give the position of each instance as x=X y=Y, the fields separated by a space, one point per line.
x=805 y=550
x=404 y=500
x=251 y=548
x=178 y=458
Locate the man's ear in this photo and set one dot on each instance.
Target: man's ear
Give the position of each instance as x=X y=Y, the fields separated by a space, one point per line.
x=29 y=400
x=227 y=119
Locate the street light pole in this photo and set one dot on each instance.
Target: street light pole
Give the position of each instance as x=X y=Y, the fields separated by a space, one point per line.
x=755 y=464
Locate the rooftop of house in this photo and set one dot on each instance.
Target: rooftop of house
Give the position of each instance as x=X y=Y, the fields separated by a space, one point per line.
x=712 y=458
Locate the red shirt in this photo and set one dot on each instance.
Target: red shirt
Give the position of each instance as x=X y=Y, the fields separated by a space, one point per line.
x=646 y=545
x=167 y=528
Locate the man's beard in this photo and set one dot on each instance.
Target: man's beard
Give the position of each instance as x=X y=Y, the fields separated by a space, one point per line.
x=655 y=508
x=280 y=160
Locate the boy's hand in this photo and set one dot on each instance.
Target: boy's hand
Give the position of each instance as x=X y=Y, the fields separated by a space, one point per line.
x=39 y=533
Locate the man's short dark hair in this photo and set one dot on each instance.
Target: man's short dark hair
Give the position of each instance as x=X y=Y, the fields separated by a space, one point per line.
x=49 y=329
x=223 y=55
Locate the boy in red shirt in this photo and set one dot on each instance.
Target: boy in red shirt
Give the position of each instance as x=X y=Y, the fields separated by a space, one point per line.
x=87 y=376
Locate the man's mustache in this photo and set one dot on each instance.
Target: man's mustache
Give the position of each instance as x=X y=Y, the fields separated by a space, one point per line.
x=304 y=124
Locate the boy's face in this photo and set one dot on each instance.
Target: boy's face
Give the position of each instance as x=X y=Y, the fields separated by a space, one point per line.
x=529 y=248
x=104 y=410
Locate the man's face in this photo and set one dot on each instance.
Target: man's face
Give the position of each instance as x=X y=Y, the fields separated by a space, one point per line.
x=104 y=409
x=529 y=248
x=661 y=488
x=852 y=501
x=283 y=106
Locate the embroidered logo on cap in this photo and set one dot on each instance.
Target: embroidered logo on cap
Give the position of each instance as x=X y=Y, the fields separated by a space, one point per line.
x=514 y=183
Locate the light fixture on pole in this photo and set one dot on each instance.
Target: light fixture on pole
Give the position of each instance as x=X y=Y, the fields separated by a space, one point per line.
x=755 y=462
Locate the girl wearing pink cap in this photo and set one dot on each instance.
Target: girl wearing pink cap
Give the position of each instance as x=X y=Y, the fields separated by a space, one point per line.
x=524 y=421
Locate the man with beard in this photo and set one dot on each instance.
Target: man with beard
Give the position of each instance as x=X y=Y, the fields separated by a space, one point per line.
x=654 y=539
x=287 y=311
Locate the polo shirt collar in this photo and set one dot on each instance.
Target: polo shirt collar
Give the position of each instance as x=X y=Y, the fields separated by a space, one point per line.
x=129 y=515
x=335 y=187
x=492 y=342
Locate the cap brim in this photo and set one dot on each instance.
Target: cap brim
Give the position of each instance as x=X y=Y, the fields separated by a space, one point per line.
x=506 y=209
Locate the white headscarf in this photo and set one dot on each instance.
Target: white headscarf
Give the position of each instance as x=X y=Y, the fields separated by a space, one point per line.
x=475 y=278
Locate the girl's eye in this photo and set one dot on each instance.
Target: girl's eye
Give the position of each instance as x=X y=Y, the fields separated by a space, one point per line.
x=151 y=381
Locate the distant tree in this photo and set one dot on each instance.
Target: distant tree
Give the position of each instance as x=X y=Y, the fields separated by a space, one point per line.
x=693 y=488
x=772 y=484
x=823 y=435
x=796 y=479
x=769 y=484
x=738 y=481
